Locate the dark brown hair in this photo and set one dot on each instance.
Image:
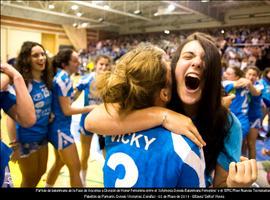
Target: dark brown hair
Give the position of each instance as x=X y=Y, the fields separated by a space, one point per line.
x=61 y=58
x=256 y=69
x=237 y=71
x=211 y=119
x=24 y=64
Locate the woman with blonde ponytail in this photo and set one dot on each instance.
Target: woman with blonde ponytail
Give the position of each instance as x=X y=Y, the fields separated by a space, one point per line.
x=140 y=80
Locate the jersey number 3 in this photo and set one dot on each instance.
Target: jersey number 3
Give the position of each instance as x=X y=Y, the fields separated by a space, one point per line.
x=131 y=170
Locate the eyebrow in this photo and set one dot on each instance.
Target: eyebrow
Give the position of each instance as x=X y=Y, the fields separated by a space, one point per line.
x=189 y=52
x=37 y=53
x=192 y=53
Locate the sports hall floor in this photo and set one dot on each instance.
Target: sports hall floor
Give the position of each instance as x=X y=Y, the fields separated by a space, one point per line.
x=95 y=163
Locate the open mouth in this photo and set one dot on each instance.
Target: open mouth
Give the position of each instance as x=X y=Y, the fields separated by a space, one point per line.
x=192 y=81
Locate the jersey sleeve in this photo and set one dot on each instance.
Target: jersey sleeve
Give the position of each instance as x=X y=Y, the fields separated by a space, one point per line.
x=191 y=162
x=82 y=84
x=7 y=100
x=232 y=147
x=64 y=87
x=228 y=86
x=188 y=177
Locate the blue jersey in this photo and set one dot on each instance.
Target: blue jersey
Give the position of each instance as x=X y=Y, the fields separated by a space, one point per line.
x=7 y=100
x=62 y=87
x=85 y=84
x=60 y=135
x=153 y=158
x=255 y=105
x=42 y=99
x=266 y=91
x=240 y=104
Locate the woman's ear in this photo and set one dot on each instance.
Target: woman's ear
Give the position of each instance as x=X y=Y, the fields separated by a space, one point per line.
x=165 y=95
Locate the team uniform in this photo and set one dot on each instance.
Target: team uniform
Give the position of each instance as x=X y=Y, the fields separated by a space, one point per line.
x=153 y=158
x=266 y=91
x=85 y=84
x=33 y=138
x=60 y=135
x=239 y=105
x=7 y=100
x=255 y=108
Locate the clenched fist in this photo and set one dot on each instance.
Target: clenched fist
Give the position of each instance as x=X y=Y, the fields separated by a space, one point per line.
x=242 y=174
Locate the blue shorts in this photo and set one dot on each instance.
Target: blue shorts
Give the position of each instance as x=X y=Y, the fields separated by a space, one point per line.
x=61 y=139
x=30 y=147
x=255 y=123
x=5 y=153
x=85 y=132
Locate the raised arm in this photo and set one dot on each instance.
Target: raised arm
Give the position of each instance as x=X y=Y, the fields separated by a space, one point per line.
x=23 y=111
x=4 y=81
x=247 y=83
x=110 y=123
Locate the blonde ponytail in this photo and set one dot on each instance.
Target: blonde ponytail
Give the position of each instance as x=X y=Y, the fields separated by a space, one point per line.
x=135 y=79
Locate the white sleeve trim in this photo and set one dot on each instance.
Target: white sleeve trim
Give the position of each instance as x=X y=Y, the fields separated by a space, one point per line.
x=188 y=156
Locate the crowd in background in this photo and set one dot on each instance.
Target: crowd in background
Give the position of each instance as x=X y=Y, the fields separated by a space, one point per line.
x=239 y=46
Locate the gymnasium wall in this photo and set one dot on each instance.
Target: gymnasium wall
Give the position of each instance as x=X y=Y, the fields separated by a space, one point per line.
x=14 y=31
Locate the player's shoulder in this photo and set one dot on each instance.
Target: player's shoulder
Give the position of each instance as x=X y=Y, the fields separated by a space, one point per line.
x=226 y=83
x=183 y=146
x=61 y=75
x=63 y=78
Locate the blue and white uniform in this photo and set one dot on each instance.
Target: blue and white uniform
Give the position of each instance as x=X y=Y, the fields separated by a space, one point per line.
x=239 y=105
x=7 y=100
x=266 y=91
x=60 y=135
x=153 y=158
x=33 y=138
x=85 y=84
x=255 y=108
